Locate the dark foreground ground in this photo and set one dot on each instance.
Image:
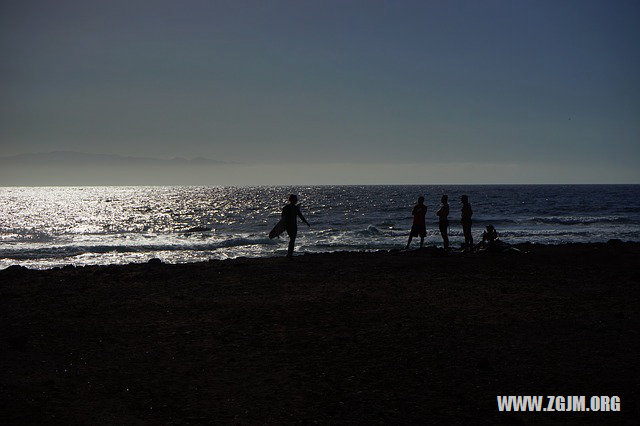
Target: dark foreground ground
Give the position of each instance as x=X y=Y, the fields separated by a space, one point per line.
x=330 y=338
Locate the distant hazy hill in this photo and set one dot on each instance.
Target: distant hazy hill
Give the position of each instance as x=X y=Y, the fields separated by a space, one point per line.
x=72 y=158
x=78 y=168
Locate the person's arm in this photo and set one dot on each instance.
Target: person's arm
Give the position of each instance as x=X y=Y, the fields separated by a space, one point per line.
x=302 y=217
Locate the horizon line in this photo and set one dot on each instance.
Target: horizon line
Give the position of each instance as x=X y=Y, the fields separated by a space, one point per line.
x=327 y=185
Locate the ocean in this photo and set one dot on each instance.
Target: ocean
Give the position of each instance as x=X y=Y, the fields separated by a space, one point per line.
x=44 y=227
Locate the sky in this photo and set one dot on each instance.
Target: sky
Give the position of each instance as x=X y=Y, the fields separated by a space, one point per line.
x=331 y=91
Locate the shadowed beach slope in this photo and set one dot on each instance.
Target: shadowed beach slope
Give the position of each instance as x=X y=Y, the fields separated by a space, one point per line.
x=340 y=337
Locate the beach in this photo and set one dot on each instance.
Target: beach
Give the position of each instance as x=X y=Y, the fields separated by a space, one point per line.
x=343 y=337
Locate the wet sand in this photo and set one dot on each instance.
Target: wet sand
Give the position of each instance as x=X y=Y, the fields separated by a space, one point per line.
x=333 y=338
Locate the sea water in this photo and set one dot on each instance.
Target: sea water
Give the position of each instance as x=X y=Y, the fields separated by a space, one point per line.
x=54 y=226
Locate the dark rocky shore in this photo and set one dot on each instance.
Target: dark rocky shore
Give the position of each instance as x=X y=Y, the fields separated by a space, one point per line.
x=331 y=338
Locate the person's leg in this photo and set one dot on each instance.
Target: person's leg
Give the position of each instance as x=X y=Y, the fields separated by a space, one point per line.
x=468 y=239
x=421 y=241
x=445 y=237
x=292 y=241
x=410 y=237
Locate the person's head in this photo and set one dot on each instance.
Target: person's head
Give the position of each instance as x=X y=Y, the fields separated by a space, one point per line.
x=293 y=198
x=421 y=200
x=464 y=199
x=444 y=199
x=490 y=228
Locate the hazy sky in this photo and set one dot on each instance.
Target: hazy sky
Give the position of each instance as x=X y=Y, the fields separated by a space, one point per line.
x=428 y=91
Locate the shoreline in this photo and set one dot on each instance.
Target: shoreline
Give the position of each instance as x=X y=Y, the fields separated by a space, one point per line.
x=434 y=250
x=346 y=337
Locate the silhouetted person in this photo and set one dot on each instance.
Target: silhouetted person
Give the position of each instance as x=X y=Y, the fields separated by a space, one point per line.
x=443 y=220
x=490 y=240
x=290 y=213
x=465 y=219
x=418 y=228
x=489 y=236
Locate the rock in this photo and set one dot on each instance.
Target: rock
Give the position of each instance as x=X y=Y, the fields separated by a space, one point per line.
x=13 y=269
x=155 y=261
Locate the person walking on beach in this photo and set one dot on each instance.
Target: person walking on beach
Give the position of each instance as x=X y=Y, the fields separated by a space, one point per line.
x=290 y=214
x=465 y=219
x=418 y=228
x=443 y=220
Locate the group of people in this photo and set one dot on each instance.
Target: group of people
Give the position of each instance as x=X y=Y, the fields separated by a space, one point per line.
x=419 y=227
x=291 y=212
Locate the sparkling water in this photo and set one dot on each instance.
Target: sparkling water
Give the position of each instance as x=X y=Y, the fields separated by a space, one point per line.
x=54 y=226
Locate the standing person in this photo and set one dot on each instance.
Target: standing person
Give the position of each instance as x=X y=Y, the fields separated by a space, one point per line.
x=290 y=214
x=418 y=228
x=443 y=220
x=465 y=219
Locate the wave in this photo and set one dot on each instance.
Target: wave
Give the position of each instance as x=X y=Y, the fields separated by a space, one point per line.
x=197 y=229
x=33 y=238
x=373 y=231
x=370 y=231
x=75 y=250
x=552 y=220
x=581 y=220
